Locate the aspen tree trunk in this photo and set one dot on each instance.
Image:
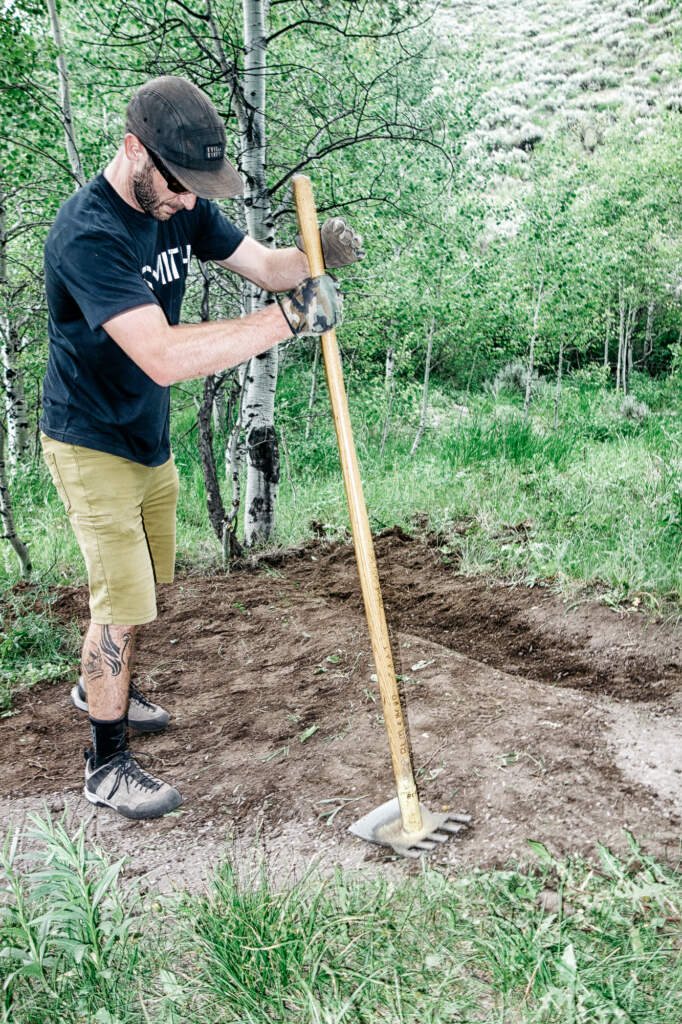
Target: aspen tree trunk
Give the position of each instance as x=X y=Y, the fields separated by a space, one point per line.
x=10 y=353
x=65 y=98
x=531 y=353
x=214 y=501
x=621 y=334
x=389 y=384
x=259 y=376
x=9 y=531
x=649 y=334
x=559 y=375
x=607 y=337
x=630 y=321
x=262 y=477
x=219 y=411
x=425 y=393
x=233 y=455
x=427 y=371
x=313 y=389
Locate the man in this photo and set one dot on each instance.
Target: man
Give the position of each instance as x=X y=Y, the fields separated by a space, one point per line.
x=116 y=262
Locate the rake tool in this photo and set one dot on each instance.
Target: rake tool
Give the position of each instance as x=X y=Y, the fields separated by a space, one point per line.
x=402 y=823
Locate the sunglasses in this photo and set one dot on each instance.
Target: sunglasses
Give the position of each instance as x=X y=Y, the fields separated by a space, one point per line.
x=173 y=184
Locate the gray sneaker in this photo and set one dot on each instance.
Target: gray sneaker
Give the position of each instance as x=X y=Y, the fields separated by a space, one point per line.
x=142 y=714
x=122 y=784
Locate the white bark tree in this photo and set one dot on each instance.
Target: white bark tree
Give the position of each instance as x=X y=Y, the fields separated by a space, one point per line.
x=628 y=312
x=423 y=418
x=10 y=353
x=6 y=517
x=531 y=350
x=262 y=452
x=65 y=106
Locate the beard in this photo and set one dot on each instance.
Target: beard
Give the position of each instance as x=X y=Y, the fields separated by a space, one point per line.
x=146 y=195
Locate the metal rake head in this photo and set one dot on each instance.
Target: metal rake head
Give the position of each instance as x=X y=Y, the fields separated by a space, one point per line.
x=384 y=825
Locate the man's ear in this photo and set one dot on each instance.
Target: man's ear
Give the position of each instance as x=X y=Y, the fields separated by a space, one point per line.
x=134 y=149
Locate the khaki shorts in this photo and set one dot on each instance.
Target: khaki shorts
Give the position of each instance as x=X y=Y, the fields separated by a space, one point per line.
x=123 y=516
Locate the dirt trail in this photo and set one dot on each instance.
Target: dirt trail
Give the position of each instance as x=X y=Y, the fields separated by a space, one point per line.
x=543 y=723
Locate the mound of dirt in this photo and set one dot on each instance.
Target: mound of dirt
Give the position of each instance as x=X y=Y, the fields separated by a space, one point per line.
x=542 y=723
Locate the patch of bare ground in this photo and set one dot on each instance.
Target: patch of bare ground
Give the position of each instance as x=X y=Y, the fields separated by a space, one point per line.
x=543 y=722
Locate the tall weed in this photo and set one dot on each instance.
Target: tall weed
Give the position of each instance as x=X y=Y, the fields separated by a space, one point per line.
x=69 y=933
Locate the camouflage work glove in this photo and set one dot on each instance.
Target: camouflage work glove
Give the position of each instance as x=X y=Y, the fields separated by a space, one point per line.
x=313 y=307
x=341 y=245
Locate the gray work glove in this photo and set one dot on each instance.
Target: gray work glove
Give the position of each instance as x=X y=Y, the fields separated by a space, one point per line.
x=313 y=307
x=341 y=245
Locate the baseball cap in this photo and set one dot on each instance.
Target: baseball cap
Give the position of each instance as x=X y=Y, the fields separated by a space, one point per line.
x=178 y=122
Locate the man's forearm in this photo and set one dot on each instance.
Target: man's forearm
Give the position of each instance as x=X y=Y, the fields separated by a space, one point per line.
x=195 y=350
x=286 y=268
x=274 y=270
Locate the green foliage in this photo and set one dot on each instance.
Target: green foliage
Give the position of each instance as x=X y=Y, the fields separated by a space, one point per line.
x=599 y=495
x=33 y=644
x=68 y=933
x=544 y=944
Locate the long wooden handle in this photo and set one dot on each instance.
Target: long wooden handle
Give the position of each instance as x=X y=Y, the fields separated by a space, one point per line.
x=362 y=537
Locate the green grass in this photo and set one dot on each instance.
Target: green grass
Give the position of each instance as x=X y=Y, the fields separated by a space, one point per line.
x=600 y=498
x=592 y=507
x=33 y=644
x=564 y=942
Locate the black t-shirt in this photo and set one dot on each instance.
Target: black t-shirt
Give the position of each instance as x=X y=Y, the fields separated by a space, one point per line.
x=102 y=257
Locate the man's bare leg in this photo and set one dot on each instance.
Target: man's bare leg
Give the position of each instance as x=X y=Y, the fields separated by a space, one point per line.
x=113 y=777
x=107 y=663
x=105 y=689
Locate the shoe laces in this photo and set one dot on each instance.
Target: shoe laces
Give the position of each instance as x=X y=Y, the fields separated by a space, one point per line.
x=127 y=770
x=139 y=696
x=134 y=693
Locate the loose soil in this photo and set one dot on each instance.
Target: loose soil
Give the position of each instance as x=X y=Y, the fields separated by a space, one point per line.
x=547 y=722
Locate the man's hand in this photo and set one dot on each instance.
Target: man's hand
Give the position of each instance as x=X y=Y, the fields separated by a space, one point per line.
x=341 y=245
x=315 y=306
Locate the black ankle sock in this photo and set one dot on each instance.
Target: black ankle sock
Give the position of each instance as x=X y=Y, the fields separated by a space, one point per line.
x=109 y=738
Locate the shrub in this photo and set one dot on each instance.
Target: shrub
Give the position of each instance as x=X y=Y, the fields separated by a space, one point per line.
x=512 y=377
x=657 y=10
x=592 y=377
x=597 y=79
x=529 y=136
x=634 y=410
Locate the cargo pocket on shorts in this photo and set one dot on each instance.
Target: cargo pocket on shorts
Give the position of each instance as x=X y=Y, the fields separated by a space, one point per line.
x=56 y=479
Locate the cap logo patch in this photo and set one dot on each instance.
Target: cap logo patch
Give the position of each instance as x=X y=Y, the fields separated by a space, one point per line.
x=213 y=152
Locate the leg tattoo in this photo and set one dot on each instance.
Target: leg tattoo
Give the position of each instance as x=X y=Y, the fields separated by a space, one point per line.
x=108 y=654
x=115 y=654
x=92 y=665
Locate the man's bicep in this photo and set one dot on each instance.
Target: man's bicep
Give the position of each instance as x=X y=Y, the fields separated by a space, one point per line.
x=140 y=332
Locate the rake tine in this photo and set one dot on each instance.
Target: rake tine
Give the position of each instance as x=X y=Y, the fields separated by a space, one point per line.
x=438 y=837
x=452 y=828
x=464 y=818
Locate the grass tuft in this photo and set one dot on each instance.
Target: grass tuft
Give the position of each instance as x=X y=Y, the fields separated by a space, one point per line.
x=33 y=645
